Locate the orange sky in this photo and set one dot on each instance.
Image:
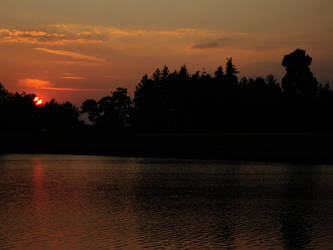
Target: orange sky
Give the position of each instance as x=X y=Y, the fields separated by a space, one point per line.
x=73 y=50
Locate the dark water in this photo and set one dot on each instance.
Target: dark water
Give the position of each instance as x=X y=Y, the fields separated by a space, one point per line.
x=89 y=202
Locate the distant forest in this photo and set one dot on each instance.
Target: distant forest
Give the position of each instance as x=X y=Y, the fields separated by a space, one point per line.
x=182 y=102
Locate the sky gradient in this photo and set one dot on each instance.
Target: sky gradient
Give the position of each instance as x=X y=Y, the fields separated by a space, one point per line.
x=72 y=50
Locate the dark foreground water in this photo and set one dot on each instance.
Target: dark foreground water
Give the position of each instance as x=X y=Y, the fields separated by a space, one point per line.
x=89 y=202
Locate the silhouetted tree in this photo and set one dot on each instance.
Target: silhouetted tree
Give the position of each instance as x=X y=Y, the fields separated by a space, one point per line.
x=111 y=111
x=219 y=74
x=90 y=107
x=148 y=104
x=3 y=106
x=299 y=80
x=55 y=116
x=115 y=109
x=69 y=114
x=3 y=94
x=165 y=73
x=231 y=73
x=181 y=101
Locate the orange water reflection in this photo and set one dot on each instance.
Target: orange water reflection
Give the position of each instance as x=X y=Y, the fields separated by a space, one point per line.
x=88 y=202
x=40 y=202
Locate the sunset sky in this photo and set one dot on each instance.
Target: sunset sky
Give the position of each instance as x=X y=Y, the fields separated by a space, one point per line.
x=72 y=50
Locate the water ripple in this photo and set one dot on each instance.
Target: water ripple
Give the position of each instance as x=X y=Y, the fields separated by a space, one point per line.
x=88 y=202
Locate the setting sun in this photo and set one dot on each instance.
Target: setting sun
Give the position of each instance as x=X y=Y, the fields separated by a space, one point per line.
x=38 y=101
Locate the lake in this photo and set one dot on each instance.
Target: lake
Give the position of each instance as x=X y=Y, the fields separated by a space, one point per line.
x=97 y=202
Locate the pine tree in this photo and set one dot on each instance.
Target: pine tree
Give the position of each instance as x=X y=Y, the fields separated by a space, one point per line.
x=231 y=72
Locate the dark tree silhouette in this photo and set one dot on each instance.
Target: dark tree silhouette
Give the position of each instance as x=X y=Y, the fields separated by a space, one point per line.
x=179 y=101
x=231 y=73
x=219 y=74
x=18 y=112
x=91 y=108
x=55 y=116
x=3 y=93
x=111 y=112
x=299 y=79
x=149 y=102
x=115 y=109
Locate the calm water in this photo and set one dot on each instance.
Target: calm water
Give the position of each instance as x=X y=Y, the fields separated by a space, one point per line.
x=89 y=202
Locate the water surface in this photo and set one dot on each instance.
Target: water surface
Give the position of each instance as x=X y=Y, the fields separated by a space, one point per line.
x=94 y=202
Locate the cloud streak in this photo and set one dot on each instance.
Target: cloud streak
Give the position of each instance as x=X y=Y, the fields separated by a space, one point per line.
x=208 y=45
x=35 y=83
x=62 y=34
x=70 y=89
x=44 y=37
x=38 y=84
x=18 y=36
x=72 y=54
x=73 y=77
x=222 y=42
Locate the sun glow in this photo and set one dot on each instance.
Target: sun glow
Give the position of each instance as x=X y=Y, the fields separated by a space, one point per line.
x=38 y=101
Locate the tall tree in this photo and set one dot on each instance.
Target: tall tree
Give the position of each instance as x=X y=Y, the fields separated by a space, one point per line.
x=231 y=72
x=219 y=74
x=299 y=80
x=91 y=108
x=115 y=109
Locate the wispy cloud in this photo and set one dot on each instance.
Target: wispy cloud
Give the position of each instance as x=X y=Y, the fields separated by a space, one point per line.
x=144 y=41
x=125 y=40
x=35 y=83
x=30 y=36
x=72 y=54
x=104 y=33
x=38 y=84
x=44 y=37
x=107 y=33
x=221 y=42
x=208 y=45
x=70 y=76
x=73 y=77
x=71 y=89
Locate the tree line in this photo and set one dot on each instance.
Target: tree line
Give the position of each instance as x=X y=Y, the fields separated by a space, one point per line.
x=179 y=101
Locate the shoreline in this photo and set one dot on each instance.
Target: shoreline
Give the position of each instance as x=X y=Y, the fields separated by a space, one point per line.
x=262 y=147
